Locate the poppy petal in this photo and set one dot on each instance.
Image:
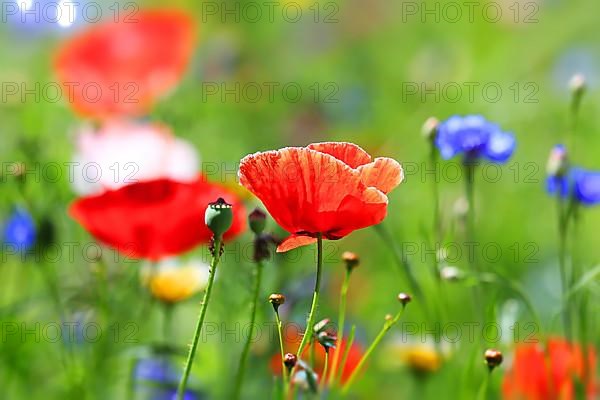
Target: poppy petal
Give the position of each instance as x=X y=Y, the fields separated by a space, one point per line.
x=127 y=64
x=384 y=174
x=301 y=188
x=293 y=241
x=154 y=219
x=349 y=153
x=357 y=213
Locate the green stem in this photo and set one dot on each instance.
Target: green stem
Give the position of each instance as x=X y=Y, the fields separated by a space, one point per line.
x=440 y=303
x=349 y=344
x=188 y=365
x=437 y=219
x=386 y=327
x=246 y=350
x=310 y=322
x=284 y=371
x=167 y=321
x=325 y=371
x=483 y=389
x=562 y=263
x=341 y=322
x=470 y=235
x=402 y=262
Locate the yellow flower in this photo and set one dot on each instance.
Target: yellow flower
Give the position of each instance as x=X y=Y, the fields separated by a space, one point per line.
x=422 y=358
x=172 y=283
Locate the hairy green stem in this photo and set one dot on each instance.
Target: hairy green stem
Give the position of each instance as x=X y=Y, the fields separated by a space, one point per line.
x=313 y=308
x=190 y=359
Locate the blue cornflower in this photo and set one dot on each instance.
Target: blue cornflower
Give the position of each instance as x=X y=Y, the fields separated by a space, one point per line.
x=19 y=231
x=475 y=137
x=580 y=184
x=156 y=379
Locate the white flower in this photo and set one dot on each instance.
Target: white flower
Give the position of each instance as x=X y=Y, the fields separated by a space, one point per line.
x=122 y=153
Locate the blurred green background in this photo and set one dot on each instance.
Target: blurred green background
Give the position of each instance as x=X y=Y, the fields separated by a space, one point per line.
x=380 y=69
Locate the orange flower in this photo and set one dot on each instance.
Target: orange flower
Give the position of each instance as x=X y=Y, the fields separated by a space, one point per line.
x=121 y=68
x=326 y=188
x=552 y=373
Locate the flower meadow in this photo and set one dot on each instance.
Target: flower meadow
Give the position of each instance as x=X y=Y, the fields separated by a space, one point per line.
x=299 y=200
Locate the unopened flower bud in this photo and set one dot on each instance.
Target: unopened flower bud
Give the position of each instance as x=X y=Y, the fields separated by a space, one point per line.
x=327 y=340
x=558 y=162
x=218 y=217
x=404 y=299
x=388 y=317
x=493 y=358
x=276 y=299
x=290 y=360
x=577 y=84
x=351 y=260
x=430 y=127
x=257 y=221
x=321 y=325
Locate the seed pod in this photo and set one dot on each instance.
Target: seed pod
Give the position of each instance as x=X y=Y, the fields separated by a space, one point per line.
x=218 y=217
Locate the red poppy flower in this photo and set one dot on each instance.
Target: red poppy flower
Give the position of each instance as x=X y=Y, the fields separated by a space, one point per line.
x=155 y=219
x=120 y=68
x=292 y=342
x=328 y=188
x=552 y=373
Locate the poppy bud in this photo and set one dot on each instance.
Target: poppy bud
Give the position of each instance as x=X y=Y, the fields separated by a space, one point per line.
x=430 y=127
x=493 y=358
x=218 y=217
x=558 y=161
x=404 y=299
x=276 y=299
x=351 y=260
x=290 y=360
x=257 y=221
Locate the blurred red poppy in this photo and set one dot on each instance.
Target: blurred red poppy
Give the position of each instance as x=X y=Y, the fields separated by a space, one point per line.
x=328 y=188
x=155 y=219
x=558 y=372
x=292 y=339
x=120 y=68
